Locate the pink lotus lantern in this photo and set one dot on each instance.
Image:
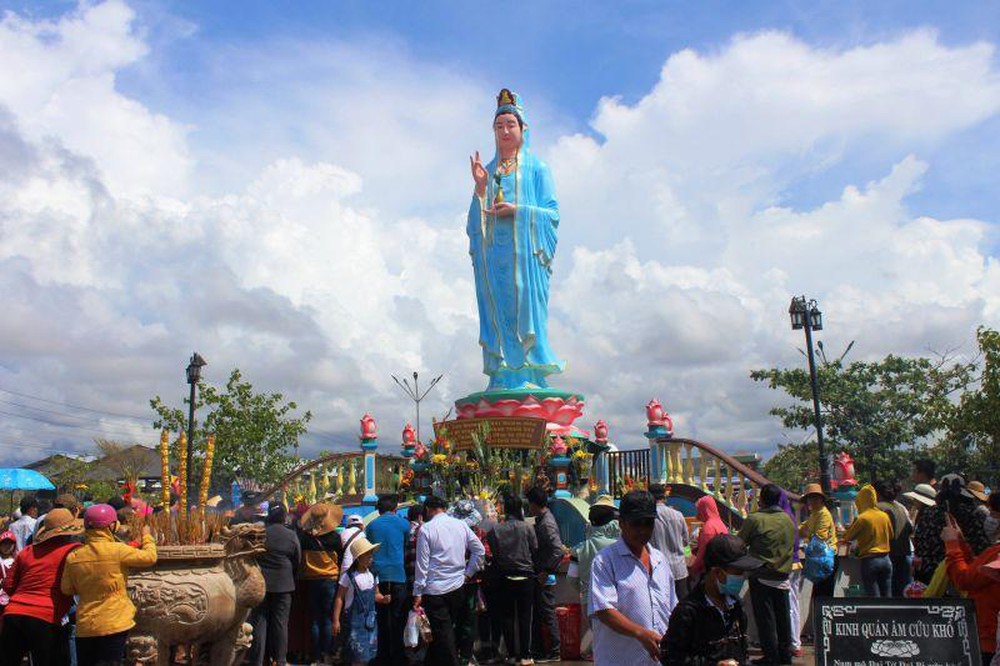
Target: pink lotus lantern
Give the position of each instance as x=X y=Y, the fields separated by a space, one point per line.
x=657 y=417
x=654 y=413
x=368 y=428
x=409 y=436
x=601 y=432
x=843 y=470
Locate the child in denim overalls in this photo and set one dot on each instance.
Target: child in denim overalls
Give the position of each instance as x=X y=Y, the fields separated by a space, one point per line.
x=358 y=593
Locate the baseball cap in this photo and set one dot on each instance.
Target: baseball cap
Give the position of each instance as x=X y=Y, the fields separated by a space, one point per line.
x=637 y=505
x=730 y=551
x=355 y=520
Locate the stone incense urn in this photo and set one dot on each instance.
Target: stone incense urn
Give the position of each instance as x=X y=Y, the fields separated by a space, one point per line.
x=198 y=595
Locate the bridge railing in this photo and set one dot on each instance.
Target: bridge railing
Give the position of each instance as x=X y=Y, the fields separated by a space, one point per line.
x=688 y=462
x=627 y=470
x=339 y=474
x=715 y=472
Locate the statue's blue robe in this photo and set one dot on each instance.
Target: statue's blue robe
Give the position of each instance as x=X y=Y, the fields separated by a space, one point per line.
x=511 y=260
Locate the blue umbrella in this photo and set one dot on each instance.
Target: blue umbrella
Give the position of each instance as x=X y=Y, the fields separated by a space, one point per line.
x=12 y=478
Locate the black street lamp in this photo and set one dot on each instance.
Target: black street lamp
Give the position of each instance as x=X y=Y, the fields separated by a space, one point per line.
x=193 y=375
x=414 y=394
x=806 y=315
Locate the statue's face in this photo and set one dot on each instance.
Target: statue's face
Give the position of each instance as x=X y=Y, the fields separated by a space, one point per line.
x=508 y=131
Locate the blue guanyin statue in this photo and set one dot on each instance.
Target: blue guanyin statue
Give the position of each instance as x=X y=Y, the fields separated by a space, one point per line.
x=512 y=226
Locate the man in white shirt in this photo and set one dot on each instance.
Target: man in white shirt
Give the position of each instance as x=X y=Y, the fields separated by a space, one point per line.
x=670 y=536
x=24 y=526
x=441 y=570
x=631 y=590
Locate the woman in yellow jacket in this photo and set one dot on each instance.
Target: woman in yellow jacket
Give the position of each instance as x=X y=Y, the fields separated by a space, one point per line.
x=819 y=524
x=872 y=530
x=97 y=573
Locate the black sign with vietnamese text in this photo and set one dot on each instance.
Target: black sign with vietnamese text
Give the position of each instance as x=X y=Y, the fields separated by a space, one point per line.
x=895 y=632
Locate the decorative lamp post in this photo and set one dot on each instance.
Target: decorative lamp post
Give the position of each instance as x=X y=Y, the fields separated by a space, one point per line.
x=193 y=376
x=369 y=444
x=659 y=432
x=560 y=465
x=805 y=315
x=414 y=394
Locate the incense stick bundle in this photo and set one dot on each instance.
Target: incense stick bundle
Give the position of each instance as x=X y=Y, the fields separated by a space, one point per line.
x=165 y=468
x=182 y=464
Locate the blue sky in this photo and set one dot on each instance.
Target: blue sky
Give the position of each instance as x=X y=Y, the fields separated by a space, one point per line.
x=570 y=54
x=282 y=186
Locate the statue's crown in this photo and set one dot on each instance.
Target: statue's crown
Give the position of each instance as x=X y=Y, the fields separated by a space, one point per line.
x=509 y=102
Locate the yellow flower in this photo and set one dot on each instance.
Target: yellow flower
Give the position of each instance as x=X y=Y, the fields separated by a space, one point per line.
x=438 y=459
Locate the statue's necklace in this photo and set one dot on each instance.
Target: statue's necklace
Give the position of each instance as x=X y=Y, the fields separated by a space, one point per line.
x=507 y=164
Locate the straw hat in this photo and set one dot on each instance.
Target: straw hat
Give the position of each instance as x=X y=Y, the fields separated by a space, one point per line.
x=58 y=522
x=322 y=518
x=362 y=545
x=604 y=500
x=813 y=489
x=924 y=493
x=978 y=490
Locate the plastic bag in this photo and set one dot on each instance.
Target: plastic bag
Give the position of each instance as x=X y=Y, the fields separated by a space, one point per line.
x=819 y=560
x=411 y=632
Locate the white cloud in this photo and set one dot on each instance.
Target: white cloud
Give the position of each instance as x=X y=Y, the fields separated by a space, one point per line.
x=314 y=235
x=60 y=80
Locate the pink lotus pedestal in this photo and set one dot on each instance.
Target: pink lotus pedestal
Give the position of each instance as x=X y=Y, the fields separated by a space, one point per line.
x=558 y=408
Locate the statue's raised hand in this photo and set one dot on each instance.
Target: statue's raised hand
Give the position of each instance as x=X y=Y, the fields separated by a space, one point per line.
x=479 y=173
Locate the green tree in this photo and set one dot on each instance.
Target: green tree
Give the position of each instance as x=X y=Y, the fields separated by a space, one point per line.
x=881 y=412
x=256 y=434
x=793 y=466
x=972 y=446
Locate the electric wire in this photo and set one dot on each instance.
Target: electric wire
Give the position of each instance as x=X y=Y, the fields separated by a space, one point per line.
x=72 y=406
x=100 y=431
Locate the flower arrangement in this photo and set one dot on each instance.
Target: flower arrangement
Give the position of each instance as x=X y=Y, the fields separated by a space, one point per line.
x=582 y=462
x=406 y=479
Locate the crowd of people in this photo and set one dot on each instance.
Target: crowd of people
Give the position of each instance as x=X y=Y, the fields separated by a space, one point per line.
x=480 y=581
x=64 y=569
x=941 y=538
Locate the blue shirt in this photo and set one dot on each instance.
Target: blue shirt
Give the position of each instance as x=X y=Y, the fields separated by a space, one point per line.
x=619 y=580
x=390 y=531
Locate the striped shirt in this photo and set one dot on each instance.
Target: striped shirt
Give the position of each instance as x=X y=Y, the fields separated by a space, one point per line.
x=619 y=580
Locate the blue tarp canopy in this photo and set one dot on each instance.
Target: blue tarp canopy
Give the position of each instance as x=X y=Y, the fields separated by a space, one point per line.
x=12 y=478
